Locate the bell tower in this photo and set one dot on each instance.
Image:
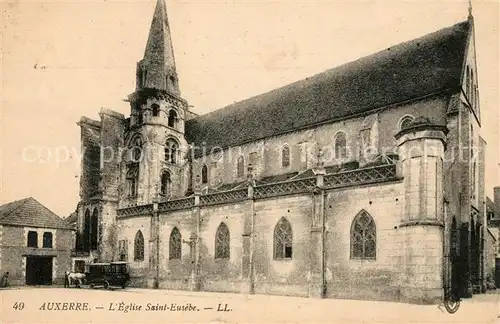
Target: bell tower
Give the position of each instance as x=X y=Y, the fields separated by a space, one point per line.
x=156 y=147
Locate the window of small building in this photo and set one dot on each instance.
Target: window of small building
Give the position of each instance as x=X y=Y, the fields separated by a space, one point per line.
x=139 y=247
x=32 y=239
x=283 y=239
x=156 y=110
x=285 y=156
x=222 y=242
x=47 y=240
x=175 y=245
x=363 y=237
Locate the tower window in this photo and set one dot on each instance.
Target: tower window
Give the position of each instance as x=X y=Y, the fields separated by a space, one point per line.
x=136 y=149
x=165 y=183
x=132 y=180
x=172 y=118
x=204 y=174
x=156 y=110
x=171 y=151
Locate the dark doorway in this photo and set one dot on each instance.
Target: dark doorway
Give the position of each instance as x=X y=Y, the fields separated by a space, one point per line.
x=38 y=270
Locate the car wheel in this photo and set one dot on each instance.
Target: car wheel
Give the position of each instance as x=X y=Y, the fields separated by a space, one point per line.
x=92 y=285
x=106 y=285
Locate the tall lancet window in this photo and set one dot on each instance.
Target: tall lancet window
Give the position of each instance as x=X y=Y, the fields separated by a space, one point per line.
x=363 y=237
x=132 y=179
x=222 y=242
x=139 y=247
x=175 y=245
x=283 y=239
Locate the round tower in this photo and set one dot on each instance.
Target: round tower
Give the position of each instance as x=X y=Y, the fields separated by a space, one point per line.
x=421 y=147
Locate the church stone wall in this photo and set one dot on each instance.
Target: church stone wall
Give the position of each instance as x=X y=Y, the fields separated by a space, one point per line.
x=222 y=274
x=367 y=279
x=127 y=229
x=282 y=277
x=175 y=274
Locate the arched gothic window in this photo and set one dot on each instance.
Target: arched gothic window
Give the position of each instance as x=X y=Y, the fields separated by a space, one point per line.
x=175 y=244
x=405 y=122
x=86 y=231
x=363 y=237
x=240 y=168
x=285 y=156
x=136 y=148
x=340 y=145
x=204 y=174
x=222 y=242
x=165 y=183
x=172 y=118
x=139 y=247
x=156 y=110
x=283 y=239
x=93 y=230
x=132 y=180
x=171 y=151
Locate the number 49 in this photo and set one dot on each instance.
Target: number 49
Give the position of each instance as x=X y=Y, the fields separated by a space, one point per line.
x=18 y=306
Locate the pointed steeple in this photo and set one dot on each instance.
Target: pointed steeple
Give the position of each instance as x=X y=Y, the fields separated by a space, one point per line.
x=157 y=69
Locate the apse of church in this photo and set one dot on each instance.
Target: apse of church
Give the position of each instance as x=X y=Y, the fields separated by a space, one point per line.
x=360 y=185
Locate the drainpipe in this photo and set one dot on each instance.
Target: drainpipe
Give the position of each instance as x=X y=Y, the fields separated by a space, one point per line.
x=156 y=228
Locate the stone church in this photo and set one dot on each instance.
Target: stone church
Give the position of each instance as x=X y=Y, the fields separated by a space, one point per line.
x=365 y=181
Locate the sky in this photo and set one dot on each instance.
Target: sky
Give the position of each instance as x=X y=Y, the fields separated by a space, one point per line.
x=64 y=59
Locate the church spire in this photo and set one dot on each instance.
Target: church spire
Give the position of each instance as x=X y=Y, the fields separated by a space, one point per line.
x=157 y=69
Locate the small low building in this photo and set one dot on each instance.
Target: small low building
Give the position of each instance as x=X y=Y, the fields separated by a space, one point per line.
x=35 y=244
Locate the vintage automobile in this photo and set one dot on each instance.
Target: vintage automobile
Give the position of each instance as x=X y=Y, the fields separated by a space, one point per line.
x=108 y=274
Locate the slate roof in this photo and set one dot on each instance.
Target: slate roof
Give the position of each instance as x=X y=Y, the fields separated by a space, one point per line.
x=29 y=212
x=407 y=71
